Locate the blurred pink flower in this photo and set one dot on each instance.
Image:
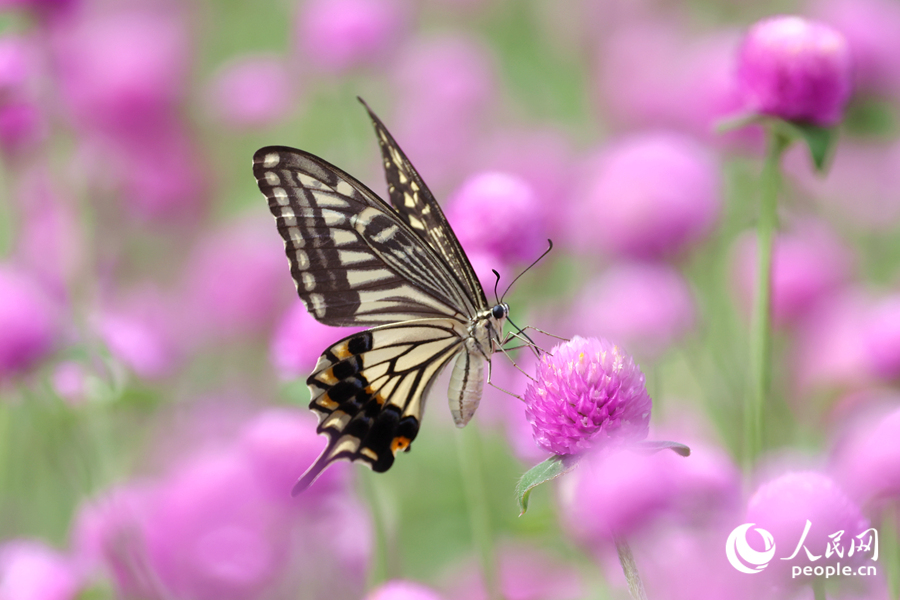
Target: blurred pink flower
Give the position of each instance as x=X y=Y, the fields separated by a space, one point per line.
x=30 y=570
x=615 y=493
x=444 y=89
x=862 y=186
x=235 y=280
x=125 y=70
x=783 y=506
x=646 y=307
x=50 y=239
x=881 y=337
x=499 y=214
x=866 y=458
x=299 y=340
x=809 y=263
x=872 y=30
x=688 y=563
x=525 y=574
x=796 y=69
x=43 y=8
x=280 y=444
x=108 y=539
x=588 y=394
x=646 y=196
x=402 y=589
x=829 y=349
x=252 y=91
x=29 y=320
x=653 y=75
x=336 y=35
x=21 y=120
x=69 y=382
x=543 y=158
x=212 y=533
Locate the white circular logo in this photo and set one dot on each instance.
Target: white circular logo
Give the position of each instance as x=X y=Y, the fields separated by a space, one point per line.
x=740 y=554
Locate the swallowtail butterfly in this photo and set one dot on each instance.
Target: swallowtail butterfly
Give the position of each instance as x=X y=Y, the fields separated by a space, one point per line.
x=396 y=268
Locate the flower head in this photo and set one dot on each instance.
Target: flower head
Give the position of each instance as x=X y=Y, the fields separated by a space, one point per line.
x=28 y=320
x=498 y=213
x=588 y=392
x=795 y=69
x=647 y=196
x=784 y=505
x=401 y=589
x=29 y=569
x=867 y=461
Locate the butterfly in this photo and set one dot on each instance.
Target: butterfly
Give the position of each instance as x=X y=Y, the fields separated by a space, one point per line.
x=397 y=268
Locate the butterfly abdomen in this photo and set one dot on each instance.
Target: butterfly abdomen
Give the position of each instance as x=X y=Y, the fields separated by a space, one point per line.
x=466 y=386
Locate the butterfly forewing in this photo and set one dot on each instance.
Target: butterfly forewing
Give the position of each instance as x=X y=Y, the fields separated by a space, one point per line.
x=415 y=204
x=352 y=260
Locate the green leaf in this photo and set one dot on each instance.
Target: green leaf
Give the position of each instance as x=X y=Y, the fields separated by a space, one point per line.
x=820 y=141
x=551 y=468
x=654 y=447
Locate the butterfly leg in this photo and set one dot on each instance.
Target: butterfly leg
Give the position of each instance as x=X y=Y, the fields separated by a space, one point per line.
x=497 y=387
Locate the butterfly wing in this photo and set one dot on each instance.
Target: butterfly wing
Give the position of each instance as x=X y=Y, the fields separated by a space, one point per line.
x=369 y=390
x=416 y=206
x=354 y=262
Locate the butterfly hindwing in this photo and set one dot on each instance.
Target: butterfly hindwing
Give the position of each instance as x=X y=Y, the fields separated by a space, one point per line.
x=353 y=261
x=369 y=390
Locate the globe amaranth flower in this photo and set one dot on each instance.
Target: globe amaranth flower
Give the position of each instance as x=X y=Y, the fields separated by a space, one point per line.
x=402 y=589
x=29 y=321
x=784 y=505
x=29 y=569
x=646 y=196
x=498 y=213
x=588 y=393
x=867 y=459
x=796 y=69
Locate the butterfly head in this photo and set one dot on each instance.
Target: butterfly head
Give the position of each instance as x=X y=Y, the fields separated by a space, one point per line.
x=500 y=311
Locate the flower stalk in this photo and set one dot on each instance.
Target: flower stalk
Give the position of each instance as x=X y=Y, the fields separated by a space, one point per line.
x=635 y=585
x=761 y=324
x=468 y=447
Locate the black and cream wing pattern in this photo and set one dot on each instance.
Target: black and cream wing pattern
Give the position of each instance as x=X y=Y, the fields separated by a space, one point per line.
x=395 y=268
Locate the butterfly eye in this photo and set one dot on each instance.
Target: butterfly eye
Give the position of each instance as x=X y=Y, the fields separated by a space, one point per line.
x=498 y=312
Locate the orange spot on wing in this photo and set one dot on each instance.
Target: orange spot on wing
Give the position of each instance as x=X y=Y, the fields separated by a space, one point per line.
x=399 y=443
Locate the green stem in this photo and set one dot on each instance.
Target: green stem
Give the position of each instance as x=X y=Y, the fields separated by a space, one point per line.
x=818 y=587
x=384 y=564
x=761 y=329
x=635 y=585
x=468 y=450
x=889 y=533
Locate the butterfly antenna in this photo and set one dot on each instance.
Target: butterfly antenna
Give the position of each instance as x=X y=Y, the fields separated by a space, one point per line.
x=537 y=260
x=494 y=271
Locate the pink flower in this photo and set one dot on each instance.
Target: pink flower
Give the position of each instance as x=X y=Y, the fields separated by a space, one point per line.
x=795 y=69
x=783 y=506
x=615 y=493
x=872 y=31
x=882 y=338
x=647 y=196
x=645 y=306
x=651 y=74
x=866 y=459
x=299 y=340
x=280 y=444
x=236 y=280
x=252 y=91
x=70 y=382
x=21 y=120
x=211 y=533
x=525 y=573
x=401 y=589
x=862 y=186
x=500 y=214
x=29 y=570
x=809 y=264
x=336 y=35
x=588 y=394
x=29 y=320
x=445 y=86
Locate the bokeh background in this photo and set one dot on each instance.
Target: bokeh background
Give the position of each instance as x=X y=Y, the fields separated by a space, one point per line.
x=152 y=352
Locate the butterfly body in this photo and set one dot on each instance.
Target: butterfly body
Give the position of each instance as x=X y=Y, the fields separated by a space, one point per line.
x=396 y=268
